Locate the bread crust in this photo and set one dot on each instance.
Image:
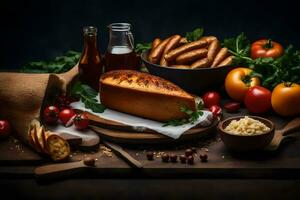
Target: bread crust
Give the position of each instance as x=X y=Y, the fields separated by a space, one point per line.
x=144 y=95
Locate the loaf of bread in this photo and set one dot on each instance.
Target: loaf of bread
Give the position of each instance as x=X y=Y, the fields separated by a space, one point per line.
x=144 y=95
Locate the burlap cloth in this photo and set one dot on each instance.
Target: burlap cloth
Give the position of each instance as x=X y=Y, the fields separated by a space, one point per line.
x=23 y=95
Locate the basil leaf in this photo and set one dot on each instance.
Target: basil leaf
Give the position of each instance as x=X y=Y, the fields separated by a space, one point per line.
x=142 y=47
x=194 y=35
x=87 y=95
x=57 y=65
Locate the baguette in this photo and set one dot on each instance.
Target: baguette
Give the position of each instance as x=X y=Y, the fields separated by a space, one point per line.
x=144 y=95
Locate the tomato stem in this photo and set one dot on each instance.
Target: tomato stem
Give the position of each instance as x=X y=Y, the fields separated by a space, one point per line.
x=247 y=80
x=288 y=84
x=268 y=45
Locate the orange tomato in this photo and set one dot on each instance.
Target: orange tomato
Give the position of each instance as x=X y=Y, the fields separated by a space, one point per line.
x=238 y=82
x=286 y=99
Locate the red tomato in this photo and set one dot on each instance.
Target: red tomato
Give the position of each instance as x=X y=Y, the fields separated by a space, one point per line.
x=216 y=110
x=50 y=114
x=66 y=115
x=81 y=121
x=211 y=98
x=232 y=106
x=5 y=129
x=258 y=99
x=266 y=48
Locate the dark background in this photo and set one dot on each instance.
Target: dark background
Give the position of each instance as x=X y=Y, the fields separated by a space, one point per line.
x=35 y=30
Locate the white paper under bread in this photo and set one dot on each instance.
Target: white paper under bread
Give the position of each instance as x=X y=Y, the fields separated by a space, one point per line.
x=142 y=123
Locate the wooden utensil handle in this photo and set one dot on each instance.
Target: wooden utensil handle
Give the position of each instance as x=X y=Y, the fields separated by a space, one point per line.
x=292 y=126
x=60 y=169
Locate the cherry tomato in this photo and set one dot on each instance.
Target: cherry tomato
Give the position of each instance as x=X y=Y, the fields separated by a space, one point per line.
x=216 y=110
x=5 y=129
x=66 y=115
x=266 y=48
x=50 y=114
x=238 y=82
x=211 y=98
x=232 y=106
x=81 y=121
x=286 y=99
x=258 y=99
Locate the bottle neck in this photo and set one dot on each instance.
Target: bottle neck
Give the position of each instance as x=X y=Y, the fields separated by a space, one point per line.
x=90 y=41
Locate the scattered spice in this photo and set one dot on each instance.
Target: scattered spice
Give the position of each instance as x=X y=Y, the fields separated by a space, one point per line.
x=106 y=151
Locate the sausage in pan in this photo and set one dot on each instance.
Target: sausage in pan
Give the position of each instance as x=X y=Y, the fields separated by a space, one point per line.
x=173 y=43
x=157 y=52
x=203 y=62
x=221 y=55
x=185 y=48
x=191 y=56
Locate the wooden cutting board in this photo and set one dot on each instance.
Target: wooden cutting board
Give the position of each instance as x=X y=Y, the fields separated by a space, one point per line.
x=121 y=133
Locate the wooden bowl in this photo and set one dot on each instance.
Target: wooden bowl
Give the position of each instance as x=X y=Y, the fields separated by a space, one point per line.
x=194 y=81
x=245 y=143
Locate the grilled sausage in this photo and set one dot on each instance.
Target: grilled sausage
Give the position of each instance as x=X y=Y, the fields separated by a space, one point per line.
x=156 y=42
x=226 y=61
x=157 y=52
x=191 y=56
x=173 y=43
x=213 y=49
x=209 y=39
x=203 y=62
x=185 y=48
x=221 y=55
x=183 y=41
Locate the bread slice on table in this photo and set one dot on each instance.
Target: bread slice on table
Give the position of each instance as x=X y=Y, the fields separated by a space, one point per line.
x=144 y=95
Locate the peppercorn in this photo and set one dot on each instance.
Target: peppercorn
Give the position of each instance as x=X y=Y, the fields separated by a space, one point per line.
x=194 y=150
x=203 y=157
x=190 y=160
x=89 y=161
x=149 y=155
x=165 y=157
x=173 y=158
x=182 y=158
x=188 y=152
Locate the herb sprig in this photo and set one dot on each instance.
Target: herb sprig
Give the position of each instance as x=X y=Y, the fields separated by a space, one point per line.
x=57 y=65
x=193 y=116
x=88 y=96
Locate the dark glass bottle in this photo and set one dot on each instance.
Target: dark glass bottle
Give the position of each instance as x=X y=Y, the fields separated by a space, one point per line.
x=90 y=64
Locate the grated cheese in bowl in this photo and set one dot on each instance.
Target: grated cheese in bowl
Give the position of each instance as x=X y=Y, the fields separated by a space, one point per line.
x=246 y=126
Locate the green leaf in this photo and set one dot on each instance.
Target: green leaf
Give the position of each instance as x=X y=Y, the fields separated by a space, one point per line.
x=194 y=35
x=57 y=65
x=142 y=47
x=87 y=95
x=239 y=46
x=193 y=116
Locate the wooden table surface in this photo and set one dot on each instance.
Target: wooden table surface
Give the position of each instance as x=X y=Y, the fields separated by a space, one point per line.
x=17 y=162
x=17 y=159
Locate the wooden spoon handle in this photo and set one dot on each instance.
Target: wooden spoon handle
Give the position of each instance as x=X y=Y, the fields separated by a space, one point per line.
x=57 y=170
x=292 y=126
